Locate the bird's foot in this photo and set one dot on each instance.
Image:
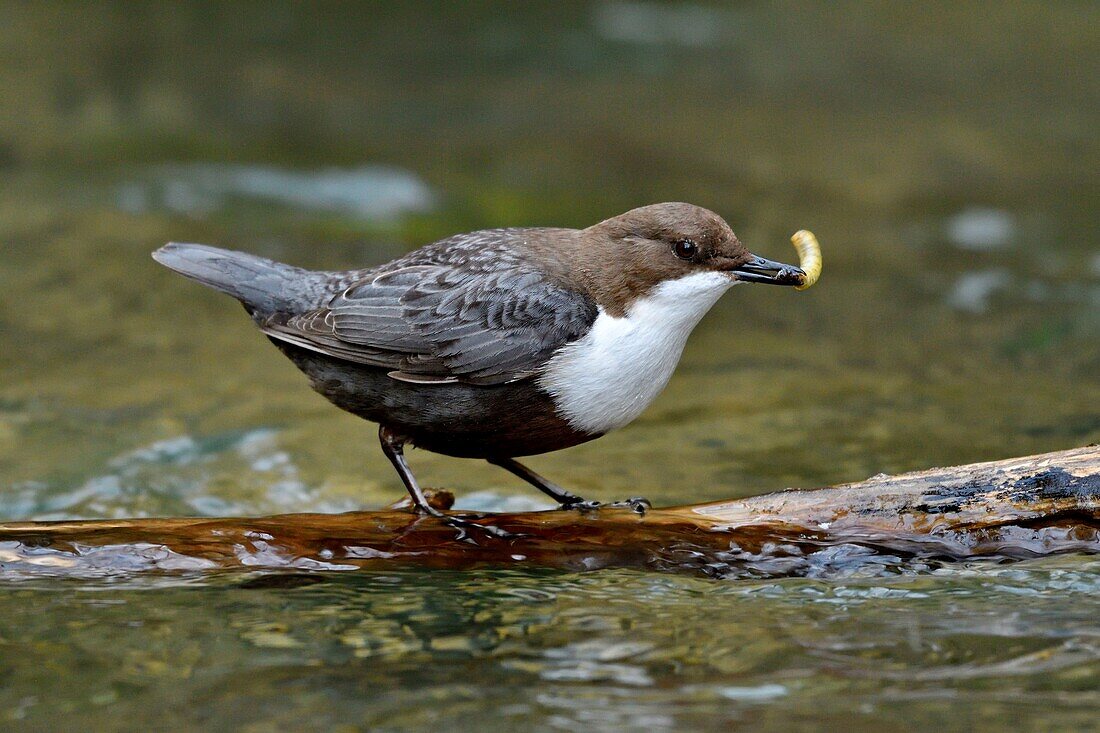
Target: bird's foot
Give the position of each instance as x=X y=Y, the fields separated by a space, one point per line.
x=635 y=503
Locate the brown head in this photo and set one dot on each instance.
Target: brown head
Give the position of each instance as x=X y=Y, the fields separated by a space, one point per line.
x=625 y=257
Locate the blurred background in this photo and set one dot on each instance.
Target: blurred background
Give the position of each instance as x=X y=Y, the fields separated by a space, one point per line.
x=945 y=154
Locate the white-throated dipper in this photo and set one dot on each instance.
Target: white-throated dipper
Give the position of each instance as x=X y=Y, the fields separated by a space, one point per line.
x=497 y=343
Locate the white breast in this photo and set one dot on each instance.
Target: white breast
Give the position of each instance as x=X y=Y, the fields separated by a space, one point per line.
x=607 y=378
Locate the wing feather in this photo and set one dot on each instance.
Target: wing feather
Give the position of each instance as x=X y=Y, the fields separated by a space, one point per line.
x=444 y=317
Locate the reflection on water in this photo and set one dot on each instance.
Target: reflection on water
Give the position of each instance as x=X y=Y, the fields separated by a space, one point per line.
x=216 y=475
x=416 y=649
x=945 y=155
x=981 y=229
x=973 y=290
x=370 y=193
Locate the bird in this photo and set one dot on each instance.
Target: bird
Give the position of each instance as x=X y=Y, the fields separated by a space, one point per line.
x=500 y=343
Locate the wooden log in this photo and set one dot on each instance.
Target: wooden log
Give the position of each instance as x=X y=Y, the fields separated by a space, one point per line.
x=1014 y=508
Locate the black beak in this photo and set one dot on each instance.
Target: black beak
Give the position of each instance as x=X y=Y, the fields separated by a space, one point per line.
x=760 y=270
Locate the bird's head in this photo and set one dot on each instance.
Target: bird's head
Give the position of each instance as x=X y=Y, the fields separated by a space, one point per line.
x=631 y=255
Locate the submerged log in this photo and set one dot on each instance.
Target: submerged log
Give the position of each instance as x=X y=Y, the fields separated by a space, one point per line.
x=1008 y=509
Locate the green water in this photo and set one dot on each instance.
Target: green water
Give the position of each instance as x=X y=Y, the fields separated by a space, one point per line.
x=945 y=155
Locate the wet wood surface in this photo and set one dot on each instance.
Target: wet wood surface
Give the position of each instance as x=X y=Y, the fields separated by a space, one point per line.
x=1014 y=508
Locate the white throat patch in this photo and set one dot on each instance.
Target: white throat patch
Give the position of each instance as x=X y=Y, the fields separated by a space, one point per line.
x=607 y=378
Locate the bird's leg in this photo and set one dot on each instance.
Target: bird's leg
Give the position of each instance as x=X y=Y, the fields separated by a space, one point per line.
x=393 y=445
x=567 y=499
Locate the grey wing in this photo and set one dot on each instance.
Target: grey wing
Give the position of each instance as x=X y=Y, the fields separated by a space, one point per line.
x=435 y=322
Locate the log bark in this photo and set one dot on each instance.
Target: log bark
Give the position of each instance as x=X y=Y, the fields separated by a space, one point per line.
x=1014 y=508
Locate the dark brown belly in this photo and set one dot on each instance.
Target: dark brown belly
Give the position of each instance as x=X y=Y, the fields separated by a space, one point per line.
x=467 y=421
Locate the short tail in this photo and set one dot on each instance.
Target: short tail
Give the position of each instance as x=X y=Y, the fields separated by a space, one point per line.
x=262 y=285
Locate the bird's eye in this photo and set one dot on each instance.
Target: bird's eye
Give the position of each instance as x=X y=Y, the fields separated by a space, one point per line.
x=685 y=249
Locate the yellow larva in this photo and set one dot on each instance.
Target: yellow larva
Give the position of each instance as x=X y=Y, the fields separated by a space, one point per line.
x=809 y=256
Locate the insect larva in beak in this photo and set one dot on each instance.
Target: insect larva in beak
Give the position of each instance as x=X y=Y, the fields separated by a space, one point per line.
x=809 y=257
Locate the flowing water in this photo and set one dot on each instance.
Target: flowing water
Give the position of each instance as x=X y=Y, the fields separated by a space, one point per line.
x=944 y=154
